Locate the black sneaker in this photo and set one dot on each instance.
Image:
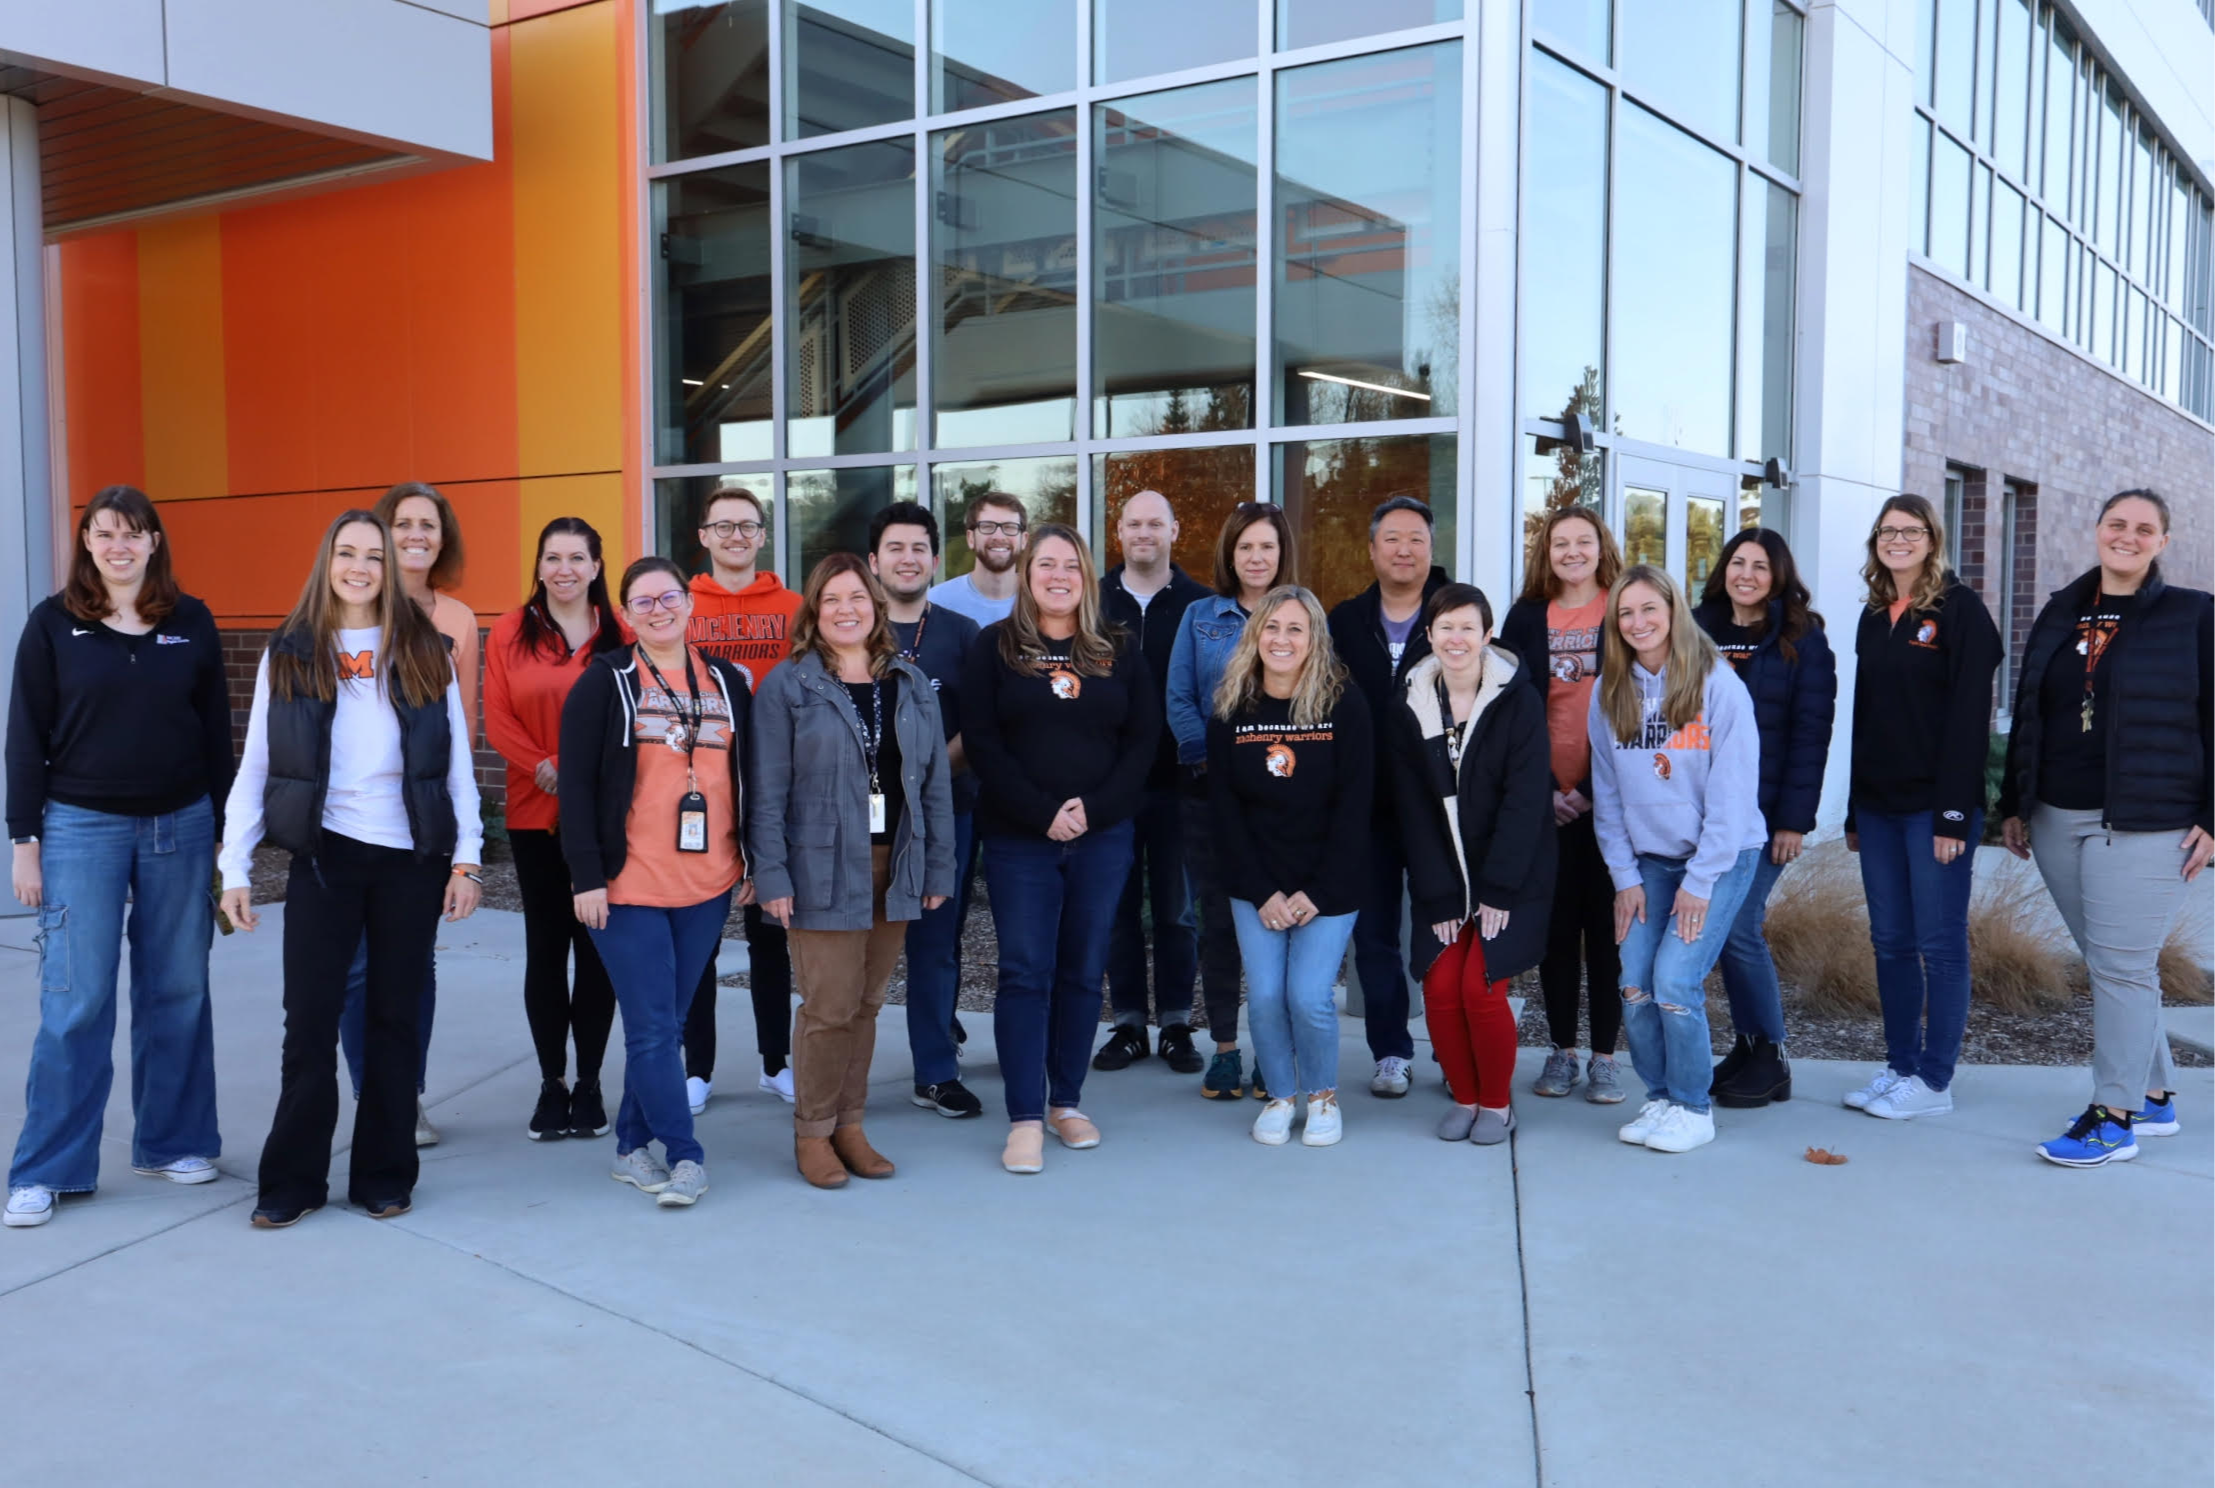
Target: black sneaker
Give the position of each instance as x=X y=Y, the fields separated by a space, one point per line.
x=1177 y=1051
x=550 y=1121
x=391 y=1208
x=282 y=1216
x=1124 y=1046
x=588 y=1114
x=961 y=1034
x=1732 y=1063
x=1764 y=1077
x=948 y=1098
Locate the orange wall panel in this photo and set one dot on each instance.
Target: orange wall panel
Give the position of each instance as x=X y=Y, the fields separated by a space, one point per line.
x=106 y=442
x=360 y=363
x=271 y=334
x=596 y=498
x=180 y=339
x=247 y=556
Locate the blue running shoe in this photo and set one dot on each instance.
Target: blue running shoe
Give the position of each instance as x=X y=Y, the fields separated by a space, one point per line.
x=2158 y=1119
x=2094 y=1139
x=1226 y=1077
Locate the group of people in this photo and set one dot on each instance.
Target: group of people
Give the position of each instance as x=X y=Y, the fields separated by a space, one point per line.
x=1178 y=791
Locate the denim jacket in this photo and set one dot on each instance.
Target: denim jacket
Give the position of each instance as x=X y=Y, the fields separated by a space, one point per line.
x=1204 y=641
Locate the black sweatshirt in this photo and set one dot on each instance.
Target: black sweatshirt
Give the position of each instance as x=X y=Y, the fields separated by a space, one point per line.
x=1037 y=741
x=1155 y=624
x=131 y=725
x=1923 y=710
x=1291 y=805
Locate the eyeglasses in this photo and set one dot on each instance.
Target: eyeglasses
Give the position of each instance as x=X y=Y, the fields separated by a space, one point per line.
x=997 y=529
x=645 y=604
x=1901 y=534
x=723 y=530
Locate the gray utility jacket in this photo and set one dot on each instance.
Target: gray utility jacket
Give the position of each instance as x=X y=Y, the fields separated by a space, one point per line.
x=807 y=822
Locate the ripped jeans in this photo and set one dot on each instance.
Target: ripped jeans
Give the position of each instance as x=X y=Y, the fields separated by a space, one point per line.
x=1664 y=997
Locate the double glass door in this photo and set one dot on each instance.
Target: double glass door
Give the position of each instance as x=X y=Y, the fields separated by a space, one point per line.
x=1674 y=517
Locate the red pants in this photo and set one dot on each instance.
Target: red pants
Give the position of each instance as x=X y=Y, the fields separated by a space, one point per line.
x=1471 y=1026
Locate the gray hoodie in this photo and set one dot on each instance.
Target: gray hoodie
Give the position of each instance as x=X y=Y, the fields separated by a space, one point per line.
x=1685 y=793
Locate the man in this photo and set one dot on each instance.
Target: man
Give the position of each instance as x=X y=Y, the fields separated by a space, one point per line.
x=1379 y=636
x=1146 y=594
x=996 y=525
x=743 y=616
x=903 y=554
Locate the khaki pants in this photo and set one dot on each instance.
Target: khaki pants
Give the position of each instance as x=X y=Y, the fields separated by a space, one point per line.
x=841 y=975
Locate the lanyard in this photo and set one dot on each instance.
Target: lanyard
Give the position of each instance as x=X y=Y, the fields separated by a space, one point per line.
x=1454 y=731
x=914 y=650
x=699 y=708
x=872 y=735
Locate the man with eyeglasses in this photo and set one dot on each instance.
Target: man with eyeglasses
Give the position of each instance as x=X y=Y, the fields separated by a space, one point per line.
x=996 y=525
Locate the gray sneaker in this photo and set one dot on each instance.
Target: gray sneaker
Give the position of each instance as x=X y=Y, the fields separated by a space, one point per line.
x=687 y=1181
x=1454 y=1125
x=1492 y=1127
x=1559 y=1074
x=1601 y=1086
x=641 y=1170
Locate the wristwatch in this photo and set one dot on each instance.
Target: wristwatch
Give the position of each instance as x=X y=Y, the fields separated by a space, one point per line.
x=27 y=841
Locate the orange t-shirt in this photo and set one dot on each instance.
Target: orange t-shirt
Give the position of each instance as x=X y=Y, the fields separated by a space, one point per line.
x=1572 y=667
x=654 y=872
x=458 y=623
x=1897 y=608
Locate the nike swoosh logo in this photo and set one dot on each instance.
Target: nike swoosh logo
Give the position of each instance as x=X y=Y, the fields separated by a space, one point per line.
x=73 y=630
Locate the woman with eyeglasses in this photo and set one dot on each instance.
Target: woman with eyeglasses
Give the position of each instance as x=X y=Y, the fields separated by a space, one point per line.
x=1925 y=652
x=652 y=781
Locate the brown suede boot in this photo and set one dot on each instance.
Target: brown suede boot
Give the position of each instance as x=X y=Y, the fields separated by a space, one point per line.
x=861 y=1159
x=818 y=1163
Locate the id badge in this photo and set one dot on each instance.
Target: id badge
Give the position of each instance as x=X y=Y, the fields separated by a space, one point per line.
x=692 y=823
x=876 y=813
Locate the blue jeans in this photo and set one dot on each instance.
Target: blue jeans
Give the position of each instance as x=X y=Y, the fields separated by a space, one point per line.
x=654 y=957
x=90 y=860
x=1749 y=972
x=934 y=970
x=1157 y=878
x=1053 y=904
x=1289 y=976
x=1664 y=997
x=351 y=1017
x=1919 y=927
x=1378 y=958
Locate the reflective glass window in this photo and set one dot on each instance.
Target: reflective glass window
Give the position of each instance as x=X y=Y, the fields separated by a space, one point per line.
x=1683 y=56
x=1583 y=24
x=1926 y=29
x=710 y=66
x=850 y=263
x=988 y=51
x=2107 y=205
x=1368 y=236
x=2053 y=263
x=1556 y=475
x=1779 y=240
x=1645 y=526
x=1564 y=242
x=2061 y=73
x=1773 y=84
x=1953 y=62
x=2103 y=313
x=1328 y=488
x=1047 y=487
x=1174 y=261
x=1980 y=206
x=2142 y=219
x=1305 y=23
x=1703 y=540
x=1918 y=190
x=830 y=510
x=714 y=371
x=1004 y=246
x=1676 y=233
x=2180 y=223
x=2007 y=244
x=1141 y=38
x=1949 y=205
x=2134 y=332
x=2011 y=96
x=1203 y=485
x=1987 y=30
x=852 y=64
x=679 y=505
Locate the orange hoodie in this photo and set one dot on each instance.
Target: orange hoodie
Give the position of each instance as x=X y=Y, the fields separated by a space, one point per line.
x=751 y=628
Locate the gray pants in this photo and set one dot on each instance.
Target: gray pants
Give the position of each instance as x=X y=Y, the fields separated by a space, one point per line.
x=2120 y=894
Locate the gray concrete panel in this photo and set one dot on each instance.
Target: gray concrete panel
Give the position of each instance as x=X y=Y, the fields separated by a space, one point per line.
x=113 y=41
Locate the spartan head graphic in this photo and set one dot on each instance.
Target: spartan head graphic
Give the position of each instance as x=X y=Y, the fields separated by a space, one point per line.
x=1281 y=761
x=1065 y=683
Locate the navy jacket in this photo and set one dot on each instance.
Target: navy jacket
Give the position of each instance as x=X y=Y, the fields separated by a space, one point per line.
x=1795 y=703
x=1357 y=635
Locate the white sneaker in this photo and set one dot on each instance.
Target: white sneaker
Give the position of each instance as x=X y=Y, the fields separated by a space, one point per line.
x=687 y=1181
x=1681 y=1129
x=1324 y=1125
x=1391 y=1079
x=1273 y=1127
x=184 y=1170
x=1636 y=1130
x=696 y=1093
x=426 y=1135
x=1910 y=1098
x=1858 y=1100
x=778 y=1085
x=32 y=1204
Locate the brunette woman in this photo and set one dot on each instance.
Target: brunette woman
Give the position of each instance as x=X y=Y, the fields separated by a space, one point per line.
x=1676 y=764
x=1290 y=773
x=652 y=779
x=358 y=763
x=1555 y=629
x=1925 y=651
x=2108 y=782
x=1756 y=611
x=537 y=654
x=1059 y=721
x=1475 y=815
x=852 y=838
x=1252 y=556
x=119 y=755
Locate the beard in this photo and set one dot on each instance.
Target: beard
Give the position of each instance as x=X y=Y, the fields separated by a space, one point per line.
x=993 y=560
x=892 y=587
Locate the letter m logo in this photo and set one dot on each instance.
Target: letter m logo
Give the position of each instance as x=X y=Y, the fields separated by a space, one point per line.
x=357 y=666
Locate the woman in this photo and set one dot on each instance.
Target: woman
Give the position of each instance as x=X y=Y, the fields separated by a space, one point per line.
x=2108 y=783
x=119 y=748
x=852 y=837
x=1555 y=628
x=1252 y=556
x=1926 y=650
x=357 y=763
x=1059 y=720
x=1676 y=762
x=1480 y=843
x=1290 y=773
x=1756 y=611
x=651 y=782
x=537 y=654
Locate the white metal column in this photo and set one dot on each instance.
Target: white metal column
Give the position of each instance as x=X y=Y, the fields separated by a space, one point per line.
x=26 y=495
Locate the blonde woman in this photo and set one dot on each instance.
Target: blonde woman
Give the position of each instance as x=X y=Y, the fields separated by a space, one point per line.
x=1290 y=774
x=1926 y=651
x=1676 y=776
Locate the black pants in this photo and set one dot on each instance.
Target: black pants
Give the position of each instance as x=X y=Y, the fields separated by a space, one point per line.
x=351 y=889
x=551 y=933
x=1581 y=939
x=770 y=979
x=1219 y=963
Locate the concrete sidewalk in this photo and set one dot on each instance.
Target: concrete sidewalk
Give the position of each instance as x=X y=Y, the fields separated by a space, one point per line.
x=1180 y=1304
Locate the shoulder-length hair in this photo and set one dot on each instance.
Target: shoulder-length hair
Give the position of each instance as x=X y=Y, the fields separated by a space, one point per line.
x=1539 y=583
x=86 y=594
x=1691 y=657
x=412 y=662
x=807 y=621
x=1322 y=679
x=446 y=568
x=1243 y=516
x=1930 y=580
x=1092 y=650
x=538 y=631
x=1784 y=584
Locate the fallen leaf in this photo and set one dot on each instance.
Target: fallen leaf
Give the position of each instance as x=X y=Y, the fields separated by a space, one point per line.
x=1824 y=1157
